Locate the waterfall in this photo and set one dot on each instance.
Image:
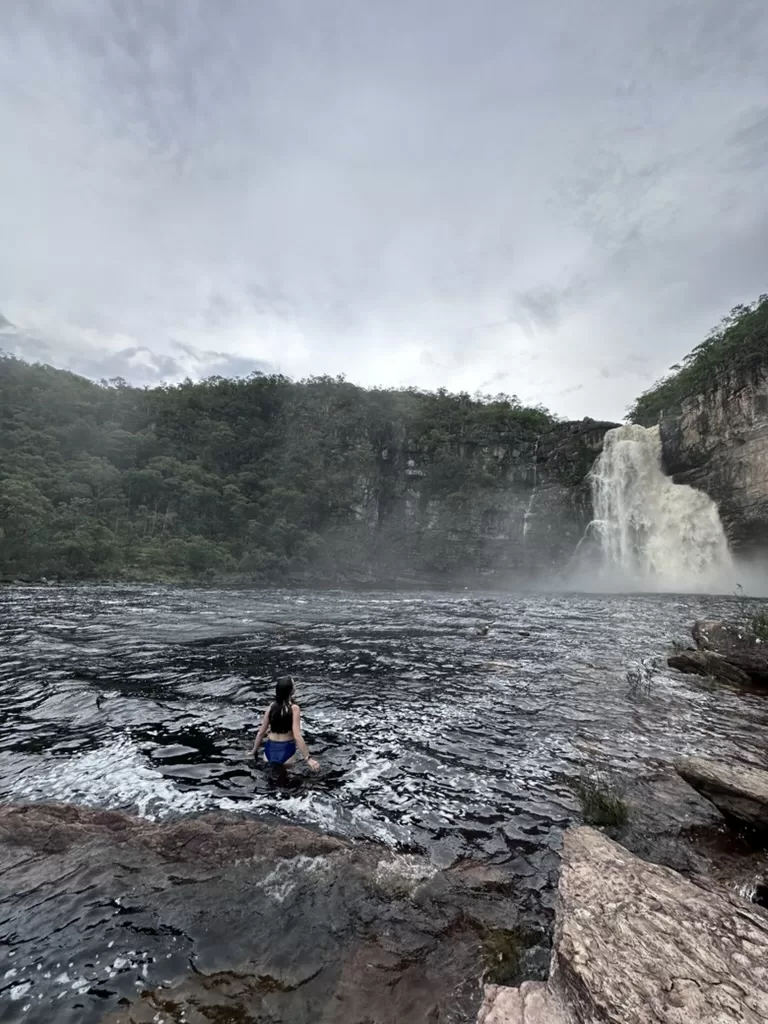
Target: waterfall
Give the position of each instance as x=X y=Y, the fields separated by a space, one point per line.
x=529 y=510
x=653 y=534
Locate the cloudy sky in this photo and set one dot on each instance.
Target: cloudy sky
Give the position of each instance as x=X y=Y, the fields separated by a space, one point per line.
x=554 y=198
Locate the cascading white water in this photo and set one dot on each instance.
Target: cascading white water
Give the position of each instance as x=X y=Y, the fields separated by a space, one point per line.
x=528 y=515
x=654 y=534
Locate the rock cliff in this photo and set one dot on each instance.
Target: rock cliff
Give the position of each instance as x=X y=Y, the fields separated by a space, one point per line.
x=523 y=506
x=266 y=480
x=719 y=444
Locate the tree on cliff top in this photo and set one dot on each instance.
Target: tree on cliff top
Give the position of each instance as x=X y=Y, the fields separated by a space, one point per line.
x=737 y=347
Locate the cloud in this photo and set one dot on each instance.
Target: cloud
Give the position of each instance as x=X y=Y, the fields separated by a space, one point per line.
x=429 y=193
x=93 y=355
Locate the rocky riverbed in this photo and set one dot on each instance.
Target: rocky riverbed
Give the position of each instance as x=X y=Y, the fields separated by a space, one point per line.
x=220 y=918
x=636 y=942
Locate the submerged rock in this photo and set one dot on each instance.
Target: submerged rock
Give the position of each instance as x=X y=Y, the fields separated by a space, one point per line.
x=223 y=918
x=740 y=791
x=636 y=943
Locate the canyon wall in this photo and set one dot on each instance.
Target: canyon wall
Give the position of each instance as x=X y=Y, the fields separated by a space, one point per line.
x=719 y=444
x=514 y=510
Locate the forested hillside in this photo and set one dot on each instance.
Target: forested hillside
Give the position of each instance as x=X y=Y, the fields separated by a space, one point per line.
x=262 y=479
x=738 y=346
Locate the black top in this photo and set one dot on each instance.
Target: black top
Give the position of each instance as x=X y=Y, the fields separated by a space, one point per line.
x=281 y=717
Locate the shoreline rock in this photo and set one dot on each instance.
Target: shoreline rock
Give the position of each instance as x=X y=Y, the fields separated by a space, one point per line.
x=739 y=791
x=636 y=943
x=708 y=663
x=726 y=651
x=531 y=1003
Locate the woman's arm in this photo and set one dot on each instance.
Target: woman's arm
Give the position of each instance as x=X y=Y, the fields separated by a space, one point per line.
x=263 y=730
x=300 y=739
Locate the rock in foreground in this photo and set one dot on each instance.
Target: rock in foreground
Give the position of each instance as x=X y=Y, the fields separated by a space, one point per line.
x=738 y=790
x=228 y=919
x=532 y=1003
x=636 y=943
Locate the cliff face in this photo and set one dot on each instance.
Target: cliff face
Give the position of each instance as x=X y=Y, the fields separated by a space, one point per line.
x=520 y=511
x=719 y=444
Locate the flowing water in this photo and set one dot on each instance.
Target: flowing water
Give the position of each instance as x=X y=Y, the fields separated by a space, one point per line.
x=651 y=533
x=431 y=738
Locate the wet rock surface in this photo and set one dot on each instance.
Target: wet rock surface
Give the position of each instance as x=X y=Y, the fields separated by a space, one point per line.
x=225 y=919
x=671 y=824
x=709 y=664
x=740 y=791
x=636 y=942
x=726 y=651
x=736 y=644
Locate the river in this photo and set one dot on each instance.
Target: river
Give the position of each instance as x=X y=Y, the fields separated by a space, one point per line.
x=431 y=738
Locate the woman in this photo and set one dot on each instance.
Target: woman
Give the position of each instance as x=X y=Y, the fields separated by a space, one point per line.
x=281 y=725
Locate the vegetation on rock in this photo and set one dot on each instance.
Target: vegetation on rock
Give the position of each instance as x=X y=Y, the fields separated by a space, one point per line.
x=262 y=478
x=737 y=347
x=504 y=951
x=759 y=624
x=602 y=801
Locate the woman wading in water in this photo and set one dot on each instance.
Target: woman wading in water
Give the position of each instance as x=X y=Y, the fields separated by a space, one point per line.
x=281 y=725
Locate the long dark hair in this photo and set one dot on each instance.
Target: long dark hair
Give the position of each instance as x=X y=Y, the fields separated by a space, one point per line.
x=281 y=712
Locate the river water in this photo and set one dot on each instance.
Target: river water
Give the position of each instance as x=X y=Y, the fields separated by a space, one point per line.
x=431 y=739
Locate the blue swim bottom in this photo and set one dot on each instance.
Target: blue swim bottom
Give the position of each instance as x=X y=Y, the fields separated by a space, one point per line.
x=279 y=751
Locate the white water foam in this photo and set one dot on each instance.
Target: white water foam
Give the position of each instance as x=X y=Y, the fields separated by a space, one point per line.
x=654 y=534
x=403 y=872
x=288 y=873
x=114 y=775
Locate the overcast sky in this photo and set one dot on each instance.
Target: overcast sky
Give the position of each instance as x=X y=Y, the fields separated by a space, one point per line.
x=554 y=198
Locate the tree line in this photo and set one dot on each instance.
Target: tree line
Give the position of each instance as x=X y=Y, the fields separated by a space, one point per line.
x=261 y=478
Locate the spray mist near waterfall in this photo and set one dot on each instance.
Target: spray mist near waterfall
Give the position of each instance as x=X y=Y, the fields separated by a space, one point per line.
x=648 y=532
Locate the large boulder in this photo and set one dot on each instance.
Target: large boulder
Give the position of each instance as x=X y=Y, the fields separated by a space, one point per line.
x=636 y=943
x=740 y=791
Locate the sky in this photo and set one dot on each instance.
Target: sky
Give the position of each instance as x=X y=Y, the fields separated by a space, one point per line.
x=550 y=198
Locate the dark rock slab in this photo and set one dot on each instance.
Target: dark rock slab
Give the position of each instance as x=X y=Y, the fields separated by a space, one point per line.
x=222 y=918
x=710 y=664
x=735 y=644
